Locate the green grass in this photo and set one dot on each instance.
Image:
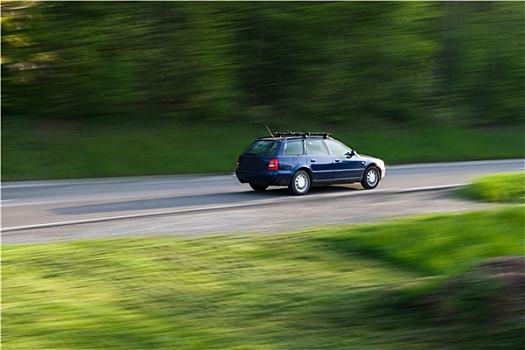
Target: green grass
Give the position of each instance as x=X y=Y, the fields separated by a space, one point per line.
x=52 y=151
x=119 y=151
x=326 y=288
x=508 y=187
x=437 y=244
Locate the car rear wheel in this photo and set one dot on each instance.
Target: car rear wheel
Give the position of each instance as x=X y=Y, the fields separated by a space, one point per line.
x=300 y=183
x=371 y=178
x=258 y=188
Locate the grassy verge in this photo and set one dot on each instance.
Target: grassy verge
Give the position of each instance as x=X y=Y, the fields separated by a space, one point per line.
x=509 y=187
x=52 y=151
x=434 y=244
x=320 y=289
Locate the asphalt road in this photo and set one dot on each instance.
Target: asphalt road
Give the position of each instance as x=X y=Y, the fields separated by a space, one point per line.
x=38 y=211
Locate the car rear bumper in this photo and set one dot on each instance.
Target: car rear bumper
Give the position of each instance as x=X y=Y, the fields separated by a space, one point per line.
x=270 y=178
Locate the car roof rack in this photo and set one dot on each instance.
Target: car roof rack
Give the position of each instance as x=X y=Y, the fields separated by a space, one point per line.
x=301 y=133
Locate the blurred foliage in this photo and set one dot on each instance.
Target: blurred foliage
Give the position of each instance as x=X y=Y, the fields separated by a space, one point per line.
x=457 y=62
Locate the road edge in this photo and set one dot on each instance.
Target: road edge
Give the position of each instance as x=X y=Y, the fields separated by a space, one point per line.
x=286 y=199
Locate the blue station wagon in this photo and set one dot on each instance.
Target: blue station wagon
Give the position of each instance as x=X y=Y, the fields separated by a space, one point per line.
x=300 y=160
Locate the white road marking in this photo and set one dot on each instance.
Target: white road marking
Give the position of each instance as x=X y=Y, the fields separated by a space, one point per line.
x=456 y=164
x=12 y=230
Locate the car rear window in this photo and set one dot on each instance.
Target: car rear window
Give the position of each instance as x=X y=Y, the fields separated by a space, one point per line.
x=263 y=148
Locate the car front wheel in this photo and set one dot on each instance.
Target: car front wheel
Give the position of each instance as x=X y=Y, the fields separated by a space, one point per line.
x=371 y=178
x=300 y=183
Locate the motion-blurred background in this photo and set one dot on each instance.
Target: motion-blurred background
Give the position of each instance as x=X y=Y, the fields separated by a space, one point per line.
x=154 y=79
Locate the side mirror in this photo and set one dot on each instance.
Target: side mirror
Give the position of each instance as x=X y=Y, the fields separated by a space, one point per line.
x=350 y=154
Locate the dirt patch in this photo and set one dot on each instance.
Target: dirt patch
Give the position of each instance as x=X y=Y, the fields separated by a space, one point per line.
x=492 y=291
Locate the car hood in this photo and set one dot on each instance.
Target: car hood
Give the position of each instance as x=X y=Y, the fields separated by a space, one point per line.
x=370 y=157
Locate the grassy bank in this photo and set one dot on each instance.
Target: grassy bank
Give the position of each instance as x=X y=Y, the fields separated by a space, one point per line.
x=509 y=187
x=58 y=150
x=329 y=288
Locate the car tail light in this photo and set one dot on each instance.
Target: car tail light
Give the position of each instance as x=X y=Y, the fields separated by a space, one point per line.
x=273 y=164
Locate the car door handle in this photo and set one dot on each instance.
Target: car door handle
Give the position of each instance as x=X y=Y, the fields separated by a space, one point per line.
x=312 y=160
x=337 y=160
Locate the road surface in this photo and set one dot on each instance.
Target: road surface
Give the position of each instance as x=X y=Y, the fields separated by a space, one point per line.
x=39 y=211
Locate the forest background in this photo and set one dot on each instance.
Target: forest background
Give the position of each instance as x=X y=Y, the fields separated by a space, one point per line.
x=76 y=71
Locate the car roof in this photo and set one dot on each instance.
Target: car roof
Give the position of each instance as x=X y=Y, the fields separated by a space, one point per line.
x=282 y=135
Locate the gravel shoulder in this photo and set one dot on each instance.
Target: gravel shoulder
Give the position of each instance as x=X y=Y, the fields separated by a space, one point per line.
x=268 y=218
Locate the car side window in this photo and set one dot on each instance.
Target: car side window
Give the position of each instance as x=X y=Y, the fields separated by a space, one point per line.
x=337 y=149
x=294 y=148
x=316 y=147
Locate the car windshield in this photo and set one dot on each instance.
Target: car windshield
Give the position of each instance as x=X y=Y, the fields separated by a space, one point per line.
x=263 y=148
x=337 y=149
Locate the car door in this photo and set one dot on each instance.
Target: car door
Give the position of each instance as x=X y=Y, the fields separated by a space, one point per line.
x=347 y=166
x=319 y=160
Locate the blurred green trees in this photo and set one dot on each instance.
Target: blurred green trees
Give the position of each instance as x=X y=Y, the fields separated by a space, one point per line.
x=261 y=61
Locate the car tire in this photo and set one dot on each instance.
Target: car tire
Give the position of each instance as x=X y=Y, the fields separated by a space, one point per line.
x=258 y=188
x=300 y=183
x=371 y=178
